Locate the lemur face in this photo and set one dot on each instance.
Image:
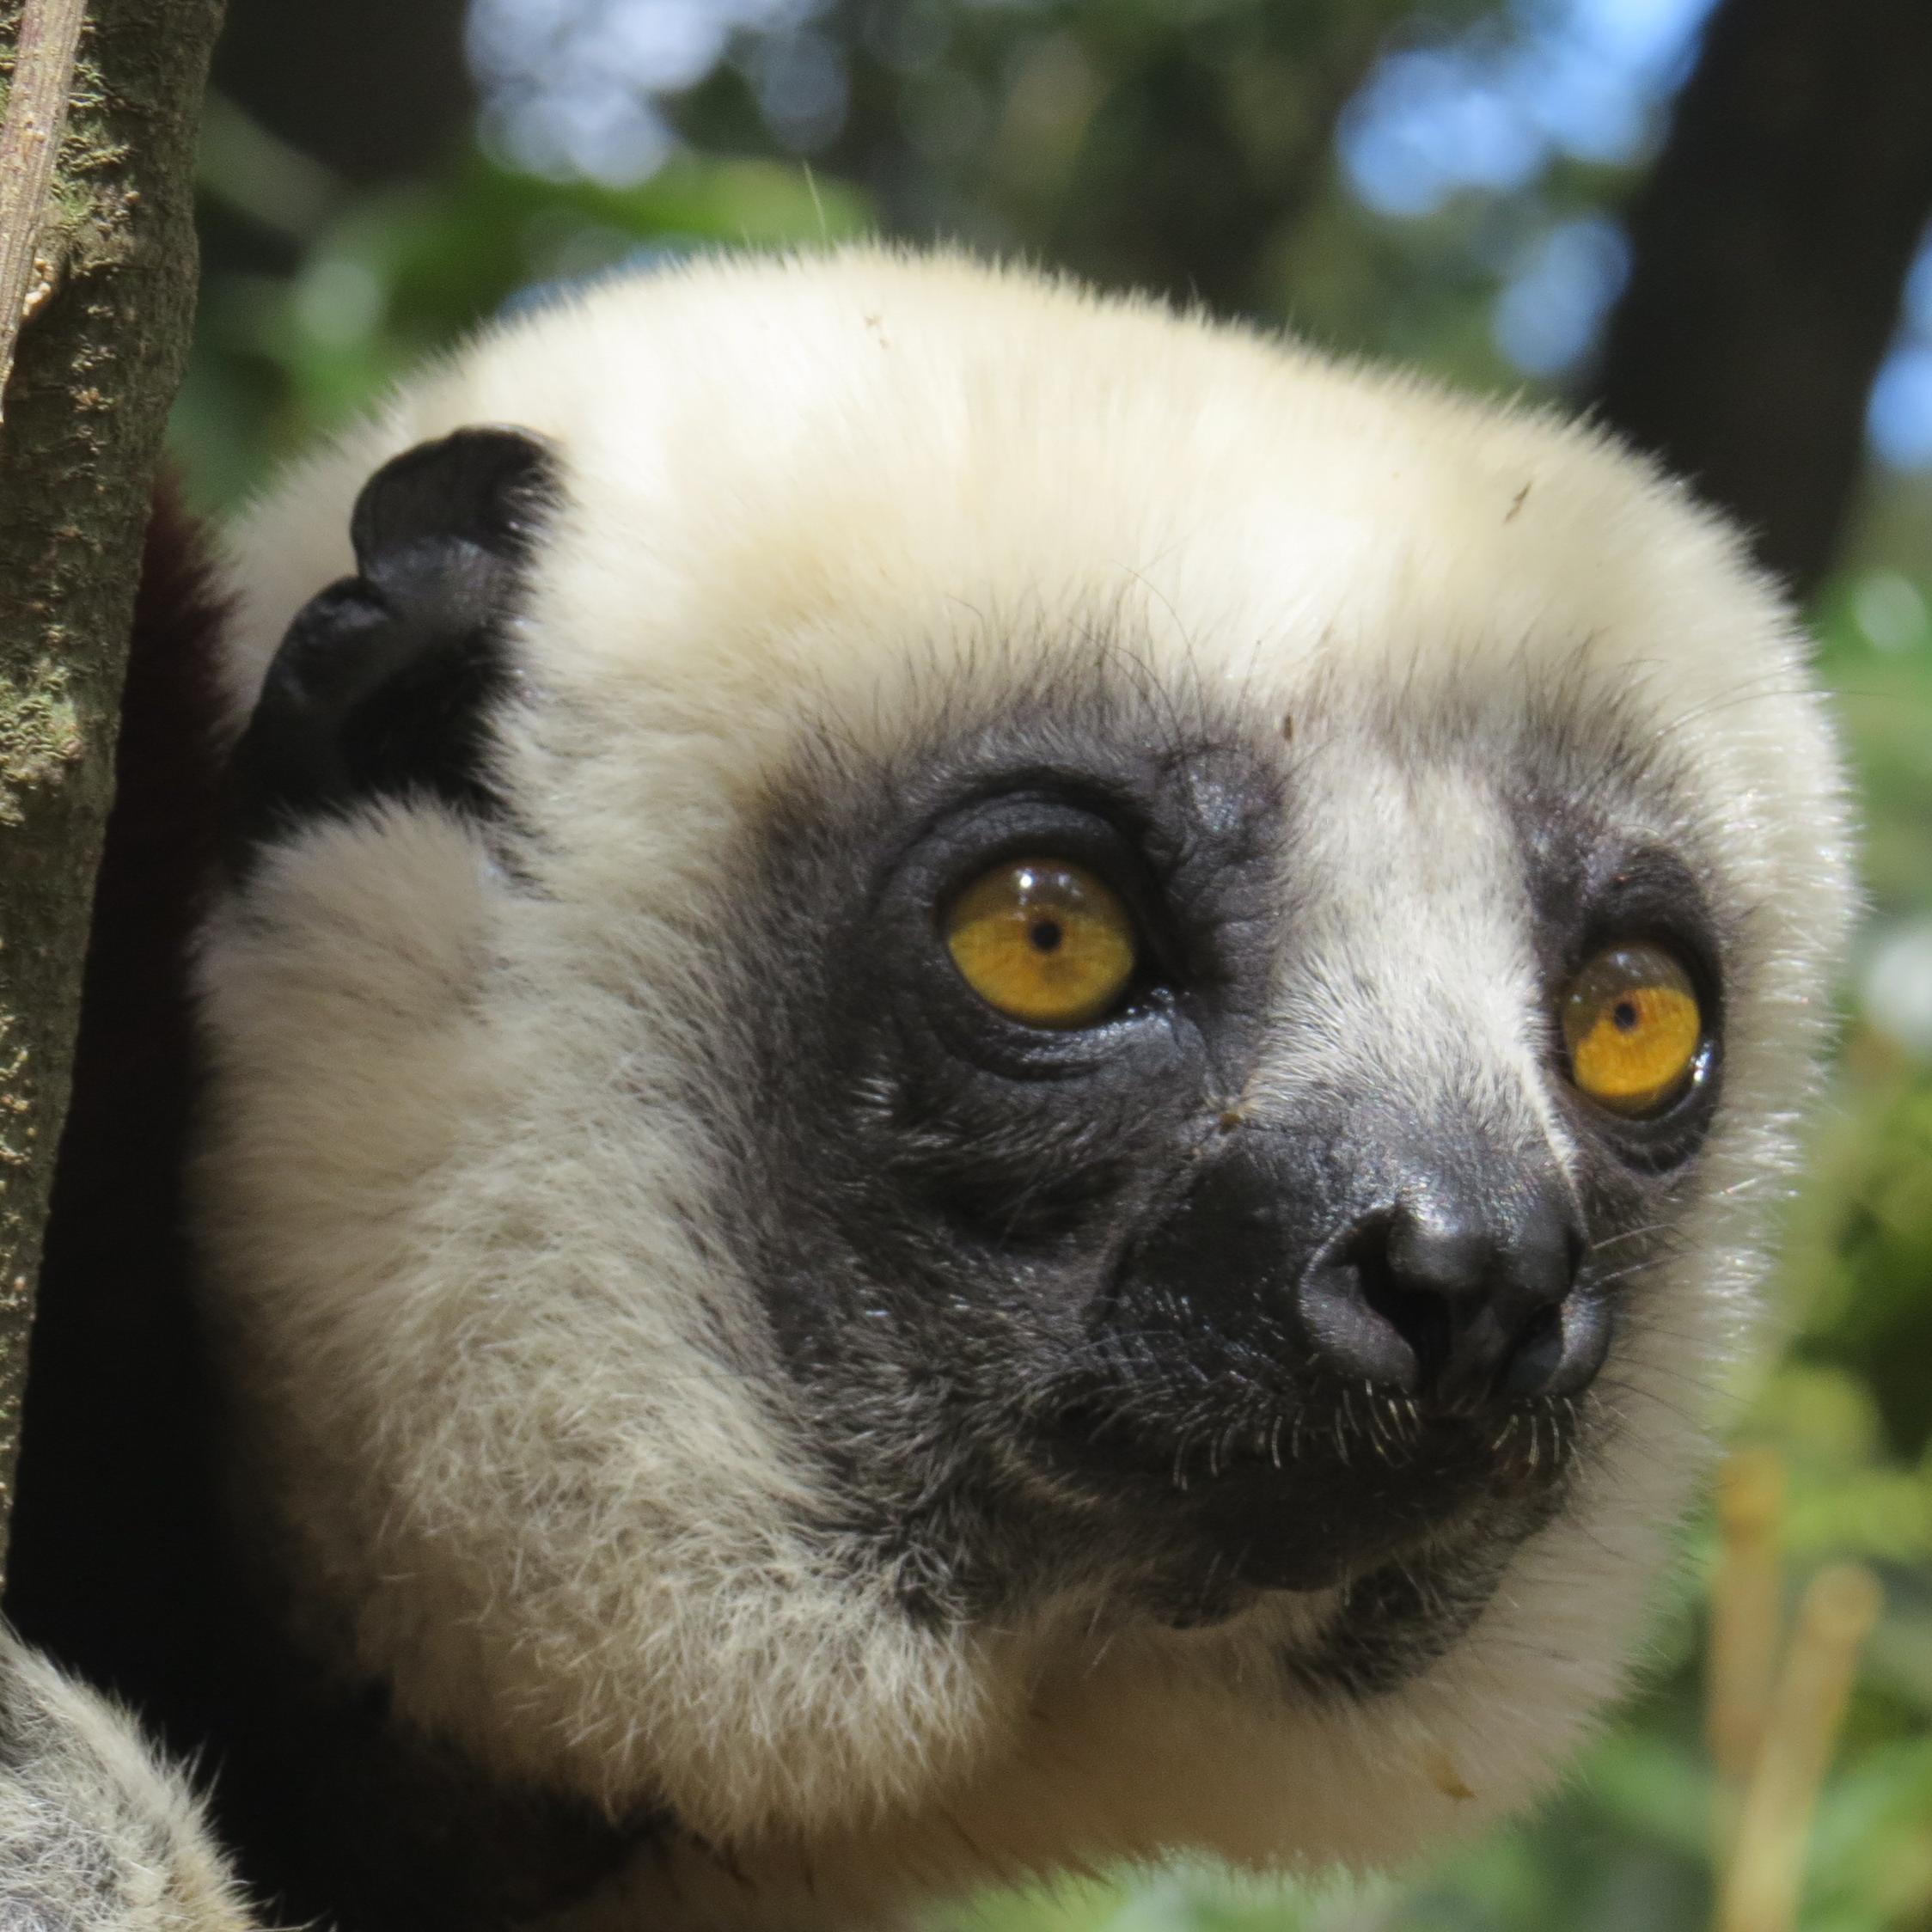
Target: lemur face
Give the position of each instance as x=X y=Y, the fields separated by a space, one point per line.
x=954 y=1029
x=1198 y=1159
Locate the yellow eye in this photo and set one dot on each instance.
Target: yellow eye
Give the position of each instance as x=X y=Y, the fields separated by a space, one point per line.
x=1633 y=1028
x=1043 y=940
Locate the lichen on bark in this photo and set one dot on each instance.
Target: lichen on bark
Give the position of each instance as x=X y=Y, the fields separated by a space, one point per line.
x=96 y=367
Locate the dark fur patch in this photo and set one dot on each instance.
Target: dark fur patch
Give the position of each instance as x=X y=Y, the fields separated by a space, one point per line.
x=387 y=682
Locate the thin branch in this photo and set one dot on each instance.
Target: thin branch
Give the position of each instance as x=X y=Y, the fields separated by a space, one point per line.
x=1761 y=1891
x=50 y=34
x=1745 y=1611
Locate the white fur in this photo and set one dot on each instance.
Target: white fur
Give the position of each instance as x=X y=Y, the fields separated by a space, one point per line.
x=458 y=1216
x=95 y=1835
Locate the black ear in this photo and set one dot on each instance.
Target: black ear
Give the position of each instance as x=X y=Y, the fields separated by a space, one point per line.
x=386 y=680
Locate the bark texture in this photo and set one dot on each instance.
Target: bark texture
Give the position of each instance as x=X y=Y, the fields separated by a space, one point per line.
x=36 y=119
x=1770 y=244
x=96 y=367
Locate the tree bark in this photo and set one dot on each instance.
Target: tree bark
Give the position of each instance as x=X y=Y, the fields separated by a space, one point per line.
x=1770 y=246
x=30 y=138
x=96 y=367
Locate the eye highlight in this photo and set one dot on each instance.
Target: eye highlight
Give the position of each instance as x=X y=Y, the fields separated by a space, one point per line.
x=1634 y=1028
x=1043 y=940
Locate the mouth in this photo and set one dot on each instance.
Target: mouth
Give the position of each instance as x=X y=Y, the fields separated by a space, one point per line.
x=1394 y=1620
x=1305 y=1495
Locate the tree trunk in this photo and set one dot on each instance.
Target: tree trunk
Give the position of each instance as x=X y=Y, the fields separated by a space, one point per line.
x=377 y=90
x=96 y=367
x=1770 y=244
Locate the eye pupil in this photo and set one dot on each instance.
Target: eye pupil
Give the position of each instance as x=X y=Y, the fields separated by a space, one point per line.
x=1045 y=935
x=1624 y=1016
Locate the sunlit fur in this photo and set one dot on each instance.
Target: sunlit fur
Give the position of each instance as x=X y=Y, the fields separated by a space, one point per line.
x=95 y=1834
x=460 y=1206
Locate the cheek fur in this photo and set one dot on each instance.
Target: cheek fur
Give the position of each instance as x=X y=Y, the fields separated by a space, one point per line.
x=517 y=1464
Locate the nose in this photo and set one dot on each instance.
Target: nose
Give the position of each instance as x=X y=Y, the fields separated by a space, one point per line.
x=1461 y=1304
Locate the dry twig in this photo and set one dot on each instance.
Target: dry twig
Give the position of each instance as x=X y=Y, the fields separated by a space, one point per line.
x=43 y=80
x=1744 y=1626
x=1762 y=1887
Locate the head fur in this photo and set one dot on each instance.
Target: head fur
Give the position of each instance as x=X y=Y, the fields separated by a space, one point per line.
x=643 y=1337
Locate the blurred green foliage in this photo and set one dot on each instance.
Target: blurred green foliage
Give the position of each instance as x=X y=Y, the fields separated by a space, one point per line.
x=1077 y=129
x=1177 y=144
x=384 y=279
x=1183 y=145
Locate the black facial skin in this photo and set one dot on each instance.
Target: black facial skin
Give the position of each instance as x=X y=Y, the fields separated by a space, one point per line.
x=1044 y=1292
x=387 y=680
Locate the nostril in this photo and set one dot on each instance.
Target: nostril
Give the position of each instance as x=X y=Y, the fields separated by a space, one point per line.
x=1421 y=1316
x=1536 y=1355
x=1355 y=1313
x=1545 y=1327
